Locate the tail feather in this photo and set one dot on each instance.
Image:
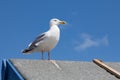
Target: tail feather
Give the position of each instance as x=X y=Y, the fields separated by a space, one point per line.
x=26 y=50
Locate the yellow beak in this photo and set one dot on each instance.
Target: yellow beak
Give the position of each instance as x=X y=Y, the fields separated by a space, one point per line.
x=62 y=22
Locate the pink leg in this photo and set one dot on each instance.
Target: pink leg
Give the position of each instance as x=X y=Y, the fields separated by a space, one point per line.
x=42 y=56
x=48 y=55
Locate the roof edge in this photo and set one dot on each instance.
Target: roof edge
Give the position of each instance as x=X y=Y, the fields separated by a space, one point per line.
x=6 y=63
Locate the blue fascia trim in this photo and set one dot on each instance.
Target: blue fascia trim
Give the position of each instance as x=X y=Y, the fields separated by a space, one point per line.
x=14 y=69
x=3 y=70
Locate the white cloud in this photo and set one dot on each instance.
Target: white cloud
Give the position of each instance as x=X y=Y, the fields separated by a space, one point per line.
x=89 y=41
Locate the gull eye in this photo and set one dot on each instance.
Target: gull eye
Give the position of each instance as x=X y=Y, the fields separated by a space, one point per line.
x=55 y=20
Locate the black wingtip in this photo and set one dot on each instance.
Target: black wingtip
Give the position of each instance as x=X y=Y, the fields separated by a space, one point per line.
x=26 y=51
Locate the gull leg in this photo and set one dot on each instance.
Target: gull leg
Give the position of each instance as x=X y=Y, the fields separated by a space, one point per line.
x=42 y=56
x=48 y=55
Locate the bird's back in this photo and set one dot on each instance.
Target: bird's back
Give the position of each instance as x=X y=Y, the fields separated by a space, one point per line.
x=51 y=40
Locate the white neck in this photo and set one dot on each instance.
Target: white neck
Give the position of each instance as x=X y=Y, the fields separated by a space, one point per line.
x=55 y=31
x=54 y=28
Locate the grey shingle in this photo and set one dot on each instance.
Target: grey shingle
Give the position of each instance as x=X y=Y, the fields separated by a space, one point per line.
x=70 y=70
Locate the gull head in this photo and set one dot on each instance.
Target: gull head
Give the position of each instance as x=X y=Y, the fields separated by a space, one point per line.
x=56 y=21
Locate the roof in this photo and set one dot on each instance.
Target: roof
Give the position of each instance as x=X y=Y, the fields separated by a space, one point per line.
x=62 y=70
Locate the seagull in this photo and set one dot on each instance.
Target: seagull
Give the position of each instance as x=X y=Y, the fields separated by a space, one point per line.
x=47 y=40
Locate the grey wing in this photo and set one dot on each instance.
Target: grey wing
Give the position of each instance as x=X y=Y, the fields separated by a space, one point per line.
x=38 y=39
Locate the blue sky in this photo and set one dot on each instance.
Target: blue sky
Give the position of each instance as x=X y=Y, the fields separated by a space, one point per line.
x=92 y=30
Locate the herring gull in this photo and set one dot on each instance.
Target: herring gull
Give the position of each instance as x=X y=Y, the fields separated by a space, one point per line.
x=47 y=40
